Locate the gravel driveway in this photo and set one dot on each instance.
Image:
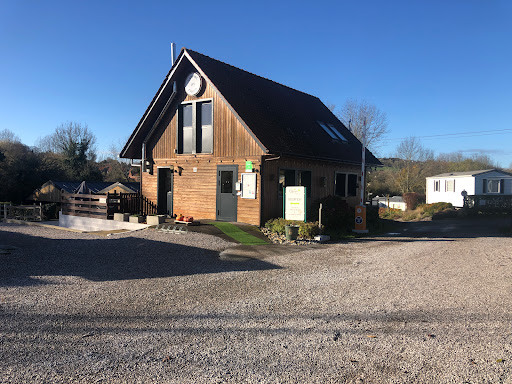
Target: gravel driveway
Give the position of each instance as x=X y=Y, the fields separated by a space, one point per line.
x=148 y=307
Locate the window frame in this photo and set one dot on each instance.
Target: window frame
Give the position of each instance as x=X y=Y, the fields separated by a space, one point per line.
x=446 y=185
x=196 y=126
x=490 y=182
x=296 y=180
x=347 y=174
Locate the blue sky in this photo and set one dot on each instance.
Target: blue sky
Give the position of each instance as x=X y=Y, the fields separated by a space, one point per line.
x=434 y=67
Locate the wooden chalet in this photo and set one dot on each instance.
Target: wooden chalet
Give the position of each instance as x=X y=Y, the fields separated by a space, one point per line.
x=210 y=125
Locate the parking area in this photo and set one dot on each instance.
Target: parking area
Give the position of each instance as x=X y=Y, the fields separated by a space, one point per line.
x=156 y=307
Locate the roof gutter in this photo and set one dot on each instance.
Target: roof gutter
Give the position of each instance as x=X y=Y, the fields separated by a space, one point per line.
x=333 y=160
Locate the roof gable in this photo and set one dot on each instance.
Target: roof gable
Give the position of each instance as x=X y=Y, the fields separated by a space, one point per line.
x=281 y=119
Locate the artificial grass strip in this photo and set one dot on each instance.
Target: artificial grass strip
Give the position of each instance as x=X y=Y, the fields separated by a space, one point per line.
x=239 y=235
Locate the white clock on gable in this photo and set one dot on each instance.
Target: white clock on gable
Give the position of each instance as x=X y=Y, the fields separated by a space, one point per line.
x=193 y=84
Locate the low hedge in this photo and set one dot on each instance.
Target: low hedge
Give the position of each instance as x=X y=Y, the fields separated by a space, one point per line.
x=306 y=230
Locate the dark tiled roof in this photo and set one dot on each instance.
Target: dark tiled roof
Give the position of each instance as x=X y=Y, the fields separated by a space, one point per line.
x=283 y=119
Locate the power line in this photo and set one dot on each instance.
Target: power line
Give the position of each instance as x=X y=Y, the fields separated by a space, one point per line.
x=460 y=134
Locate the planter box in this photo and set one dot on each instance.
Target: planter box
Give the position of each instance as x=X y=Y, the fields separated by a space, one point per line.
x=155 y=220
x=136 y=219
x=121 y=216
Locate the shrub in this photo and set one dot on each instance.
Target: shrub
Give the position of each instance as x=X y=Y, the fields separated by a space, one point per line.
x=50 y=211
x=430 y=209
x=390 y=213
x=276 y=225
x=412 y=199
x=336 y=213
x=306 y=230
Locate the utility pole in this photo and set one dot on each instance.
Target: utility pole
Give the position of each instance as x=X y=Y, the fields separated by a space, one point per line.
x=360 y=220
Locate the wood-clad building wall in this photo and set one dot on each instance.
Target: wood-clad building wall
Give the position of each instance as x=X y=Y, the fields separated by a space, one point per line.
x=230 y=138
x=195 y=187
x=195 y=175
x=323 y=175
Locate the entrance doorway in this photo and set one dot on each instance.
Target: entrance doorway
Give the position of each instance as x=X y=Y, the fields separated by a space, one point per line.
x=226 y=192
x=164 y=198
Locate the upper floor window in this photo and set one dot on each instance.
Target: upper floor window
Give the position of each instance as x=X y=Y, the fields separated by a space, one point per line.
x=195 y=127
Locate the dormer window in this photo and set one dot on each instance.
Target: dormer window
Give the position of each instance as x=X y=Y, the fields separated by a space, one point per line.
x=332 y=131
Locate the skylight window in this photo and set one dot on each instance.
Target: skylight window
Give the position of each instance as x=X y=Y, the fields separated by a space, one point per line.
x=332 y=131
x=327 y=129
x=337 y=133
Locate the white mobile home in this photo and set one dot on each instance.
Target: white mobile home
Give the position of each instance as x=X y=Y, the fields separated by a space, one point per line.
x=451 y=187
x=394 y=202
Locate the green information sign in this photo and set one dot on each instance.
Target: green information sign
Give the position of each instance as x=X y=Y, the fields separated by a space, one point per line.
x=248 y=166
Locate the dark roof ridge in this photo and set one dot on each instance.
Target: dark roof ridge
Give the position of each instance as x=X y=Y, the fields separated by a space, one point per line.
x=250 y=73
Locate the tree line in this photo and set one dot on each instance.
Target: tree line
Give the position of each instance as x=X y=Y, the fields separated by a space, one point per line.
x=68 y=154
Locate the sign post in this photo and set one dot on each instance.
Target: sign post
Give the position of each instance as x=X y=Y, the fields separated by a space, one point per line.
x=360 y=220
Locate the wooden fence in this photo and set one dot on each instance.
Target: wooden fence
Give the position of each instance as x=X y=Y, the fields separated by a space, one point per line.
x=21 y=212
x=76 y=204
x=489 y=203
x=104 y=206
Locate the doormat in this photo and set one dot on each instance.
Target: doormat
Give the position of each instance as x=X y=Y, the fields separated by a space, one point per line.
x=239 y=235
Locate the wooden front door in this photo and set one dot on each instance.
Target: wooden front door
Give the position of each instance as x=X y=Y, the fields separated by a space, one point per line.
x=226 y=192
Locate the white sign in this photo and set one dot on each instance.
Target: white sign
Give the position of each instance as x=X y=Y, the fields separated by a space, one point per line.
x=248 y=185
x=295 y=203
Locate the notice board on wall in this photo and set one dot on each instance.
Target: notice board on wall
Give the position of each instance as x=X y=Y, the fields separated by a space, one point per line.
x=248 y=185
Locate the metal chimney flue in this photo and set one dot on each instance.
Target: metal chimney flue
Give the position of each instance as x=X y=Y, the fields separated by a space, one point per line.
x=173 y=53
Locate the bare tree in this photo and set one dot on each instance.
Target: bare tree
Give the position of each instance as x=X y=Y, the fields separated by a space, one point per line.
x=355 y=113
x=9 y=136
x=415 y=158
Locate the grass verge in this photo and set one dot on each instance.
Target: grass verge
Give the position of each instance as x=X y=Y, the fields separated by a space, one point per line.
x=239 y=235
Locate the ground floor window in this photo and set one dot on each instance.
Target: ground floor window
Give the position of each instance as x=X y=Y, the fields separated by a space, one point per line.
x=437 y=185
x=294 y=177
x=345 y=184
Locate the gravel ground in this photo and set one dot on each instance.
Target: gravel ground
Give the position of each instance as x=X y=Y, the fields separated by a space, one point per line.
x=148 y=307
